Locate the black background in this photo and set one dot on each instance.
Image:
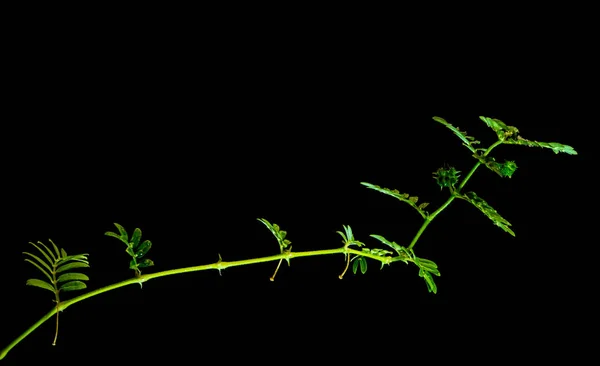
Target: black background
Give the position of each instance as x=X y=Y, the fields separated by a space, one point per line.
x=191 y=132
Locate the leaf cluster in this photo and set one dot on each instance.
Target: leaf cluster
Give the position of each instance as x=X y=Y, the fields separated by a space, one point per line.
x=427 y=268
x=279 y=235
x=56 y=265
x=136 y=248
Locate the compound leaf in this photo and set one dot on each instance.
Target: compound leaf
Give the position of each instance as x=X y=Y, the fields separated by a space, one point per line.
x=468 y=141
x=484 y=207
x=555 y=146
x=404 y=197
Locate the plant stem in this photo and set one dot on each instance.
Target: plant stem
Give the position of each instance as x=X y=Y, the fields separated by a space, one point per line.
x=455 y=192
x=217 y=265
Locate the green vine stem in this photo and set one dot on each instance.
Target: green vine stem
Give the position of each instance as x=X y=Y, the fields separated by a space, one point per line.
x=219 y=265
x=57 y=261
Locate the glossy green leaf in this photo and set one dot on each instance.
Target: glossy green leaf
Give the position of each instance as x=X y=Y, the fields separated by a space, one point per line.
x=145 y=263
x=63 y=253
x=143 y=249
x=72 y=286
x=354 y=266
x=135 y=238
x=363 y=265
x=72 y=265
x=41 y=284
x=72 y=276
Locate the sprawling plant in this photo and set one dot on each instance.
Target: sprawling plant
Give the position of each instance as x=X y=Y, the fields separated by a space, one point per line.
x=57 y=266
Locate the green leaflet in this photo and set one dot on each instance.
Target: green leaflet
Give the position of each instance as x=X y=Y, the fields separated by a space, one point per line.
x=73 y=286
x=359 y=261
x=41 y=284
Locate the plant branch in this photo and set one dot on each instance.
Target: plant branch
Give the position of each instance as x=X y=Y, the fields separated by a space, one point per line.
x=219 y=265
x=455 y=191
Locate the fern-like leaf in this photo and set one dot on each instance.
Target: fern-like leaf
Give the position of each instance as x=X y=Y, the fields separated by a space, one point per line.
x=484 y=207
x=510 y=135
x=555 y=146
x=502 y=129
x=55 y=267
x=468 y=141
x=404 y=197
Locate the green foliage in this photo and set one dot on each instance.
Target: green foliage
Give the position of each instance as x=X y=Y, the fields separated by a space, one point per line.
x=505 y=169
x=510 y=135
x=468 y=141
x=404 y=197
x=136 y=248
x=363 y=264
x=279 y=235
x=348 y=237
x=54 y=265
x=484 y=207
x=427 y=268
x=502 y=130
